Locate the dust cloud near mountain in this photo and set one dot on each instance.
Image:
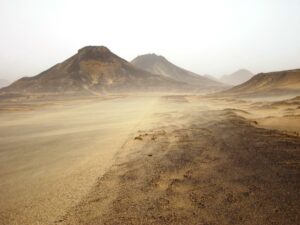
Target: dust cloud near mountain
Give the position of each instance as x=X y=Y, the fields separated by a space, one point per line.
x=99 y=132
x=98 y=140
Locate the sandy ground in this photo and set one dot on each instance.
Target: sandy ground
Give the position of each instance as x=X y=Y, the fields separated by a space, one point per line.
x=151 y=160
x=49 y=158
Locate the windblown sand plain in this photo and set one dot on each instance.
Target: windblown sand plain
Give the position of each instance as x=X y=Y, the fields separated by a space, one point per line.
x=175 y=159
x=49 y=157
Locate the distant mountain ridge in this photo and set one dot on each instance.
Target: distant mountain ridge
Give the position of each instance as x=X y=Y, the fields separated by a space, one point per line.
x=160 y=65
x=237 y=77
x=268 y=84
x=95 y=68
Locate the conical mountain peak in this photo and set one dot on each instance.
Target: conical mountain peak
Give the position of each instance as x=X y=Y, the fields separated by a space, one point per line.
x=93 y=49
x=160 y=65
x=99 y=53
x=149 y=58
x=95 y=69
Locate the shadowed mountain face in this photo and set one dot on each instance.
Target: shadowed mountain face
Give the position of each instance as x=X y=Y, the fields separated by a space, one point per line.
x=160 y=65
x=268 y=84
x=95 y=69
x=237 y=77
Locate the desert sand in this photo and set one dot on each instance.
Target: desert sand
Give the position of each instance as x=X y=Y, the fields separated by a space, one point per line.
x=170 y=159
x=51 y=156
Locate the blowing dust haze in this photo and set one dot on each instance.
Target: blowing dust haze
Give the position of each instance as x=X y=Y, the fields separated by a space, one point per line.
x=207 y=37
x=149 y=112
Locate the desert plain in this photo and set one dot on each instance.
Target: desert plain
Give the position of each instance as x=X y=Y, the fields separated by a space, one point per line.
x=149 y=159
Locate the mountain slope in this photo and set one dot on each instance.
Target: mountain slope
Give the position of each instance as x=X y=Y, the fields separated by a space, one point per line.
x=94 y=68
x=210 y=77
x=160 y=65
x=266 y=84
x=237 y=77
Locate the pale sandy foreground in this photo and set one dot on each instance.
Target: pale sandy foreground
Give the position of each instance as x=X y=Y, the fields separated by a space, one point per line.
x=49 y=158
x=151 y=160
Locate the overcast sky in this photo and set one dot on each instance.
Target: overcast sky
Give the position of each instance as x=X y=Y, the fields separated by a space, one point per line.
x=205 y=36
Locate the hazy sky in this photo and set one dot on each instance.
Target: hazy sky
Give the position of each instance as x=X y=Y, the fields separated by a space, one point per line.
x=208 y=37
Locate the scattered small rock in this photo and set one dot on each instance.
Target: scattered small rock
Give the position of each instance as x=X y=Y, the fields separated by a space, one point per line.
x=138 y=138
x=153 y=138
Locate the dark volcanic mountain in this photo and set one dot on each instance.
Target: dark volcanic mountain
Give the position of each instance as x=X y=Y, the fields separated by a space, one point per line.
x=94 y=69
x=268 y=84
x=160 y=65
x=237 y=77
